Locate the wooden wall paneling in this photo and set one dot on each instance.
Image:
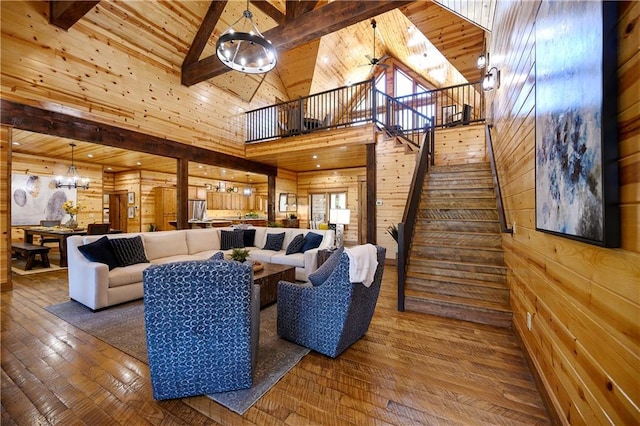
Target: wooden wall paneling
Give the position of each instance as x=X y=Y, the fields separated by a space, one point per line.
x=585 y=338
x=77 y=70
x=460 y=145
x=394 y=173
x=5 y=209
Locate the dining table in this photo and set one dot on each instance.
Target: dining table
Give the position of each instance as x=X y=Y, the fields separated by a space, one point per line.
x=60 y=233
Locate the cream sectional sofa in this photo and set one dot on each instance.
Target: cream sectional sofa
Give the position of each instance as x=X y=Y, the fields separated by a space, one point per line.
x=93 y=285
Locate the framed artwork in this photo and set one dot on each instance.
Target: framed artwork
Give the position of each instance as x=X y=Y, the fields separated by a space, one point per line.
x=448 y=113
x=576 y=152
x=222 y=187
x=131 y=212
x=105 y=199
x=131 y=197
x=35 y=198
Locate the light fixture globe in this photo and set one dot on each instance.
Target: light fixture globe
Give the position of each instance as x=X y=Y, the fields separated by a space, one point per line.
x=247 y=52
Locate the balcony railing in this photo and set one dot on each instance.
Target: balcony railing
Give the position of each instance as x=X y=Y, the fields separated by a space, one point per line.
x=406 y=117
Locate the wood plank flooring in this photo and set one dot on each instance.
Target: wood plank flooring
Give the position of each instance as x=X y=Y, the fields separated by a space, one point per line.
x=410 y=369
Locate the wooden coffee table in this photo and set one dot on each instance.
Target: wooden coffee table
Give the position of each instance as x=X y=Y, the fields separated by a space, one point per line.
x=268 y=279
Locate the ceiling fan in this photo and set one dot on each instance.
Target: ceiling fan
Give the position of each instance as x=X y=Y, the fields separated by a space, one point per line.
x=373 y=61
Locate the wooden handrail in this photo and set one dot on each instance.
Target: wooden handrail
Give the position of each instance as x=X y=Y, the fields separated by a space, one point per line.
x=504 y=228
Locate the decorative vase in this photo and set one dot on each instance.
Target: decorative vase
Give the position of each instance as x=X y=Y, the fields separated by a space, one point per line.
x=71 y=223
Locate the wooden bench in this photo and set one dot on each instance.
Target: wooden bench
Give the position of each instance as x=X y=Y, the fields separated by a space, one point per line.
x=29 y=251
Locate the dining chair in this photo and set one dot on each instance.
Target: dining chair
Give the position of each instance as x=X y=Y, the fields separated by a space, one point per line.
x=98 y=228
x=49 y=224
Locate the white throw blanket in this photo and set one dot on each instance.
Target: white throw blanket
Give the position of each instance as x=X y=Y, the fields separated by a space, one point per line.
x=363 y=261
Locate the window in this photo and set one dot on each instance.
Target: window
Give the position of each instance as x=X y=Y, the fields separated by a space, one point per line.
x=319 y=211
x=403 y=83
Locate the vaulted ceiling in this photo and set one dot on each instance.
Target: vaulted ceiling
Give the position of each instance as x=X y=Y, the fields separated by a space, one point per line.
x=321 y=44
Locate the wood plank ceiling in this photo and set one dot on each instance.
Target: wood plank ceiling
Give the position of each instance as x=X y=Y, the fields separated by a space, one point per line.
x=320 y=49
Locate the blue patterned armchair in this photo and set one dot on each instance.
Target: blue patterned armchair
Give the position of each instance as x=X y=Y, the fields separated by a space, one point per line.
x=202 y=327
x=332 y=315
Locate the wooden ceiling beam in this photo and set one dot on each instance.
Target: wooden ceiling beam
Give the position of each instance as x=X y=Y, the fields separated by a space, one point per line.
x=204 y=32
x=63 y=14
x=270 y=10
x=67 y=126
x=310 y=26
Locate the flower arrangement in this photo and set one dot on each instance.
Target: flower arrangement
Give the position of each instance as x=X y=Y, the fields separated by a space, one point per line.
x=71 y=209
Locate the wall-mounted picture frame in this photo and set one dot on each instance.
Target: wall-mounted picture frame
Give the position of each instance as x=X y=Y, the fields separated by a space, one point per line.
x=222 y=187
x=576 y=151
x=131 y=197
x=235 y=189
x=105 y=199
x=131 y=212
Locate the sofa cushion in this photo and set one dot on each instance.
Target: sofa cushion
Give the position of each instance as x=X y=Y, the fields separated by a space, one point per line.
x=129 y=275
x=249 y=237
x=165 y=244
x=231 y=239
x=274 y=242
x=296 y=259
x=324 y=271
x=295 y=246
x=200 y=240
x=100 y=251
x=129 y=251
x=311 y=241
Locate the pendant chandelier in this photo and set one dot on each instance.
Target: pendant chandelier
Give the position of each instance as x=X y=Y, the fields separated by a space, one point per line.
x=72 y=180
x=247 y=52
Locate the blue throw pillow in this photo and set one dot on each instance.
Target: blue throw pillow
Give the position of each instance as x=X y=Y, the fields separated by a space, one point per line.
x=295 y=246
x=326 y=269
x=311 y=241
x=218 y=256
x=100 y=251
x=274 y=242
x=231 y=239
x=249 y=237
x=129 y=251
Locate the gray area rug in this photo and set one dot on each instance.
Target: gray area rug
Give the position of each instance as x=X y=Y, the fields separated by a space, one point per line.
x=122 y=327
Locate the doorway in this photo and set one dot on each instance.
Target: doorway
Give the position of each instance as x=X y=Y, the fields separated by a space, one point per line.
x=118 y=211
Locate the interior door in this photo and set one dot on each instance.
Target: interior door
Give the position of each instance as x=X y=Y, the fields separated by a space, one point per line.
x=118 y=211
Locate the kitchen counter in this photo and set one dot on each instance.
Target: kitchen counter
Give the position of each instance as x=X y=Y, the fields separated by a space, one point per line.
x=218 y=223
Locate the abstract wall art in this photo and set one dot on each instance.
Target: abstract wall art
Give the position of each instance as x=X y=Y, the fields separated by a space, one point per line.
x=36 y=198
x=576 y=170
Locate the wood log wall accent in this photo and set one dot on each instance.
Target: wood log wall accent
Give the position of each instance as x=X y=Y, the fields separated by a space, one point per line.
x=5 y=209
x=585 y=336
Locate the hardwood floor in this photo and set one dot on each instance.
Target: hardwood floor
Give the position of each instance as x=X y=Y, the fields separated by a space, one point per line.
x=410 y=369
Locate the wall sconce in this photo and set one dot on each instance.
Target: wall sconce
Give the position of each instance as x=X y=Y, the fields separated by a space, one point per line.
x=491 y=80
x=483 y=60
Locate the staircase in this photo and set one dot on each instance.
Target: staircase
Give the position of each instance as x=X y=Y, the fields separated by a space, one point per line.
x=456 y=266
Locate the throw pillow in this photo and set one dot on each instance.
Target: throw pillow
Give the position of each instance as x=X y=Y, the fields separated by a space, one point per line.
x=311 y=241
x=274 y=242
x=129 y=251
x=295 y=246
x=100 y=251
x=218 y=256
x=320 y=275
x=249 y=237
x=231 y=239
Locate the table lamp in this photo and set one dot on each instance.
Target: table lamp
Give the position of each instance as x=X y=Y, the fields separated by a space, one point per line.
x=340 y=217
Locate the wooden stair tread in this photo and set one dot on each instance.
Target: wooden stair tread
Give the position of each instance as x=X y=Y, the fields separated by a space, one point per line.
x=459 y=301
x=456 y=280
